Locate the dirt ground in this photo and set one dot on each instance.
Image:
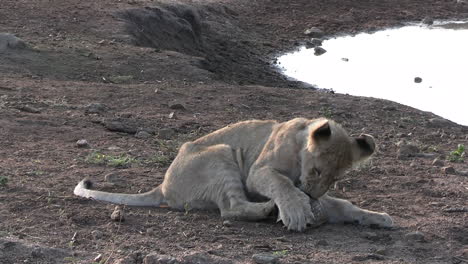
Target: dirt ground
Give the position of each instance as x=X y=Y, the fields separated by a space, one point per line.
x=102 y=71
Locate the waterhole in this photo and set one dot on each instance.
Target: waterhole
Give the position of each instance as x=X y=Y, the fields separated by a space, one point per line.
x=425 y=67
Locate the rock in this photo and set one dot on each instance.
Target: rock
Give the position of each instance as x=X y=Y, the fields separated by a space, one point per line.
x=319 y=51
x=96 y=234
x=121 y=126
x=449 y=170
x=118 y=214
x=150 y=231
x=126 y=260
x=96 y=108
x=172 y=115
x=10 y=41
x=440 y=122
x=370 y=235
x=314 y=32
x=415 y=236
x=368 y=257
x=322 y=243
x=345 y=59
x=82 y=143
x=98 y=258
x=142 y=134
x=389 y=108
x=28 y=109
x=227 y=223
x=406 y=150
x=314 y=42
x=417 y=79
x=166 y=133
x=264 y=258
x=438 y=163
x=155 y=258
x=428 y=21
x=320 y=217
x=177 y=106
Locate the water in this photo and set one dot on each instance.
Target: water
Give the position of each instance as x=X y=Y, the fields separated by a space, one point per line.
x=385 y=64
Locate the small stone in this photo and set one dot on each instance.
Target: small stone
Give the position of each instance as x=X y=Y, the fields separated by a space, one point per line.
x=177 y=106
x=345 y=59
x=96 y=108
x=322 y=243
x=150 y=231
x=449 y=170
x=29 y=109
x=155 y=258
x=370 y=235
x=440 y=122
x=125 y=260
x=142 y=134
x=166 y=133
x=417 y=79
x=118 y=214
x=82 y=143
x=383 y=251
x=368 y=257
x=97 y=234
x=406 y=149
x=314 y=42
x=415 y=236
x=121 y=126
x=98 y=258
x=264 y=258
x=172 y=115
x=428 y=21
x=227 y=223
x=319 y=51
x=389 y=108
x=438 y=163
x=314 y=32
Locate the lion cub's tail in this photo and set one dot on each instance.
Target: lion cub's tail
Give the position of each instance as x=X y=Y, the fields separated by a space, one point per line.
x=154 y=197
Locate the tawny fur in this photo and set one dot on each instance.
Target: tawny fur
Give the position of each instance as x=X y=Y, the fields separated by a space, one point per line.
x=283 y=164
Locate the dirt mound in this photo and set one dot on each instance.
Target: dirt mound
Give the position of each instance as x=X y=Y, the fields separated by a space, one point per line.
x=175 y=27
x=15 y=251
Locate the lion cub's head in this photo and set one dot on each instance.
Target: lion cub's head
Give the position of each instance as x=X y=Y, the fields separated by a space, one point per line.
x=329 y=152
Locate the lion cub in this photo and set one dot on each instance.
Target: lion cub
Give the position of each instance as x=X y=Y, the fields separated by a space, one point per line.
x=283 y=164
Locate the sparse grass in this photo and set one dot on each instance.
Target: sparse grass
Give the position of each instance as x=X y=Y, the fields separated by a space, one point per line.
x=281 y=253
x=457 y=155
x=326 y=112
x=3 y=181
x=120 y=161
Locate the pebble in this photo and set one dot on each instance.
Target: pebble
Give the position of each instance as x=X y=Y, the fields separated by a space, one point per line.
x=155 y=258
x=29 y=109
x=449 y=170
x=440 y=122
x=166 y=133
x=142 y=134
x=322 y=243
x=177 y=105
x=119 y=126
x=417 y=79
x=415 y=236
x=406 y=149
x=227 y=223
x=82 y=143
x=314 y=32
x=264 y=258
x=319 y=51
x=96 y=108
x=118 y=214
x=10 y=41
x=437 y=162
x=97 y=234
x=98 y=258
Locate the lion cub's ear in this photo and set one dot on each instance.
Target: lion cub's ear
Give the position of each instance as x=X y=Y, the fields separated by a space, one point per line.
x=321 y=130
x=366 y=145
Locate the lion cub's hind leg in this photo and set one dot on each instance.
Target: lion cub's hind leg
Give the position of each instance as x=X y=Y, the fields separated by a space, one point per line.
x=340 y=211
x=215 y=177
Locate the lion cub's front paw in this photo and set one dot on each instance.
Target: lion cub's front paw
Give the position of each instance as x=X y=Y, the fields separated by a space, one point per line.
x=295 y=211
x=377 y=219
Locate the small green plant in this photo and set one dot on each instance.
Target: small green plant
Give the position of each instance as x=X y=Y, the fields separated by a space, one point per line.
x=281 y=253
x=121 y=161
x=3 y=181
x=458 y=154
x=326 y=112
